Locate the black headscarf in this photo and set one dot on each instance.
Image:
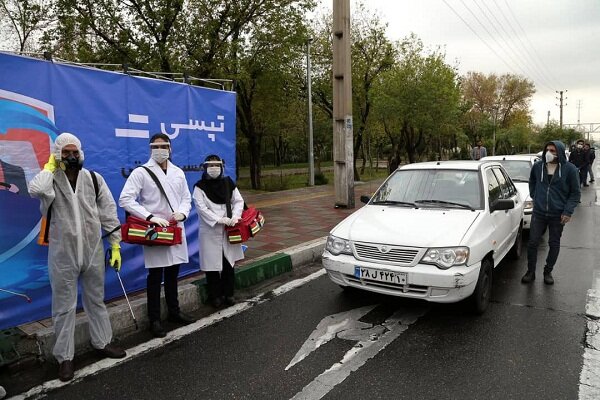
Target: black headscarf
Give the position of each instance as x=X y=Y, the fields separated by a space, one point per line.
x=216 y=189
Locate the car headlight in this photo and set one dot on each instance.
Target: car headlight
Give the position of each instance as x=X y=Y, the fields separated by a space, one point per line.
x=528 y=204
x=336 y=245
x=446 y=257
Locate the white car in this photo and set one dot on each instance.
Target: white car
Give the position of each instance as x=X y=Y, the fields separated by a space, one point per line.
x=518 y=167
x=432 y=231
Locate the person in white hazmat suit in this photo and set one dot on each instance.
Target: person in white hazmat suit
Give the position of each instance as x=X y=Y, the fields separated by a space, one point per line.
x=217 y=255
x=142 y=198
x=75 y=248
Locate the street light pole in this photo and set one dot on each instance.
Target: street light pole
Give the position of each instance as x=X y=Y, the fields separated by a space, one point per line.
x=311 y=158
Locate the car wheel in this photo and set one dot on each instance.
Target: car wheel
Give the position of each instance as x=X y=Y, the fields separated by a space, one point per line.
x=483 y=291
x=516 y=250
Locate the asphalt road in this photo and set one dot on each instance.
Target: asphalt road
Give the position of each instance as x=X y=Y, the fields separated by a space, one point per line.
x=528 y=345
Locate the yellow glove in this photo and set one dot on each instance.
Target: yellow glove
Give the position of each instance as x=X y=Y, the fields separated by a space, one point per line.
x=51 y=164
x=115 y=257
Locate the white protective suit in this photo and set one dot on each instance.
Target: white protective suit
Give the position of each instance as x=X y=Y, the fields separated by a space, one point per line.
x=141 y=197
x=76 y=252
x=212 y=239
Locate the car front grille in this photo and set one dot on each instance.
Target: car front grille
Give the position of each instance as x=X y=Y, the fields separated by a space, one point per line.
x=404 y=256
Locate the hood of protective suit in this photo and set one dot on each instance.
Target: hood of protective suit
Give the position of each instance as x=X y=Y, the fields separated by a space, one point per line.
x=65 y=139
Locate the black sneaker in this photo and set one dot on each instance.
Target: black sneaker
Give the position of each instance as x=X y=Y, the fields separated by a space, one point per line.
x=229 y=301
x=528 y=277
x=181 y=318
x=216 y=302
x=157 y=330
x=548 y=279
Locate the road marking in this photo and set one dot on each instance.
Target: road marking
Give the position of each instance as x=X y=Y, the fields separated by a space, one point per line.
x=371 y=339
x=172 y=336
x=589 y=380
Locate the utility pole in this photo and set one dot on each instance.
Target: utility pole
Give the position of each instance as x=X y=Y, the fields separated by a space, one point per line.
x=548 y=120
x=578 y=110
x=311 y=157
x=561 y=107
x=343 y=148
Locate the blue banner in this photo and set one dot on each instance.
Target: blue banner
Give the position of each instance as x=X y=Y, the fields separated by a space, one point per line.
x=114 y=115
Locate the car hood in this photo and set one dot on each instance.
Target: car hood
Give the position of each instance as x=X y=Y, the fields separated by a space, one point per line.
x=403 y=226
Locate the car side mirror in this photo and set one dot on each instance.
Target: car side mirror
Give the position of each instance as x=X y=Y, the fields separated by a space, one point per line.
x=364 y=198
x=502 y=204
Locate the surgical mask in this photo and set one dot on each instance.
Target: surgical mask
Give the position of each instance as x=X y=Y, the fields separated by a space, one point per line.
x=160 y=155
x=213 y=172
x=549 y=157
x=580 y=146
x=72 y=162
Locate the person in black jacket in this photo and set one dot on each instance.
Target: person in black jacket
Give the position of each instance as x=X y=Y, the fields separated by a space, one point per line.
x=555 y=191
x=592 y=158
x=581 y=159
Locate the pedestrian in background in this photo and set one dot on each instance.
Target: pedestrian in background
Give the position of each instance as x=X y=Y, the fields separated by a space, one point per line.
x=581 y=159
x=592 y=155
x=219 y=204
x=77 y=213
x=478 y=152
x=142 y=198
x=555 y=190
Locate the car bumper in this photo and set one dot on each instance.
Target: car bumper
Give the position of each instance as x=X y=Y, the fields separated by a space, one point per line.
x=424 y=281
x=527 y=219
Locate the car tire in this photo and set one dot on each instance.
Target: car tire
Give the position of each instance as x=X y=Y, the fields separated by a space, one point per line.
x=480 y=299
x=517 y=248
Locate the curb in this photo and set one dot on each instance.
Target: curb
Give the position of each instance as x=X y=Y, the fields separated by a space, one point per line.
x=192 y=295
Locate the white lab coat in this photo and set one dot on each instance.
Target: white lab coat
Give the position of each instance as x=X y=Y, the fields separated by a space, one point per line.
x=141 y=197
x=212 y=239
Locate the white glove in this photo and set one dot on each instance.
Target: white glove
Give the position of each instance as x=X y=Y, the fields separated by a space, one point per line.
x=224 y=221
x=234 y=220
x=177 y=216
x=159 y=221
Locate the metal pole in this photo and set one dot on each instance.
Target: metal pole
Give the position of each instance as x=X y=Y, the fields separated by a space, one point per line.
x=311 y=158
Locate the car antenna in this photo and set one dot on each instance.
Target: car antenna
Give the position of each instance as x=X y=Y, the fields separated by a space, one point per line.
x=438 y=163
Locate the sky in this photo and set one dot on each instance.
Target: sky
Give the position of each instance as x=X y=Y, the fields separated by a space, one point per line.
x=554 y=43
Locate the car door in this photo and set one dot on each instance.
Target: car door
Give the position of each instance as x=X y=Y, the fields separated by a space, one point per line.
x=509 y=191
x=501 y=221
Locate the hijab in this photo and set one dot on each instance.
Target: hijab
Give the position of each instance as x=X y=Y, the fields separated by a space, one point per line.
x=216 y=189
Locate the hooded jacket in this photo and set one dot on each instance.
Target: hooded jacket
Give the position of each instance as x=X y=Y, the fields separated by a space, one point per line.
x=560 y=195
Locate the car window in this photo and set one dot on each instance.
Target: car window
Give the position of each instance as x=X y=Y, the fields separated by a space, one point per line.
x=506 y=188
x=429 y=185
x=517 y=170
x=512 y=189
x=494 y=191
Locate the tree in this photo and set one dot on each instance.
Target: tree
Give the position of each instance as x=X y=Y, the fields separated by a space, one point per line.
x=419 y=97
x=26 y=20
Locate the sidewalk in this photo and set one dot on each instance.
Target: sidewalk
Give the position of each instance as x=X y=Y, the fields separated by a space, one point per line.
x=297 y=222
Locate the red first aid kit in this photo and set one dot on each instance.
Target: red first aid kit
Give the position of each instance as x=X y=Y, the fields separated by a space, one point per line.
x=139 y=231
x=248 y=226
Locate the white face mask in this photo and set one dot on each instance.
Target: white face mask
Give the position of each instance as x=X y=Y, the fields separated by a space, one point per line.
x=580 y=146
x=549 y=157
x=160 y=155
x=213 y=172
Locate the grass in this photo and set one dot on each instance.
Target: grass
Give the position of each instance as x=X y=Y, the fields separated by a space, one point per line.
x=274 y=183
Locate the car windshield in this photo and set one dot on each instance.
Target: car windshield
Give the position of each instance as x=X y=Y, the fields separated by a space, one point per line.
x=432 y=188
x=517 y=170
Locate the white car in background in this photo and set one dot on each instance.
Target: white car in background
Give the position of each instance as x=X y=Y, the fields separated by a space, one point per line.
x=518 y=167
x=432 y=231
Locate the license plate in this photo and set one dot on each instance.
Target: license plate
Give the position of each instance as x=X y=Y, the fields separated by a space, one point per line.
x=398 y=278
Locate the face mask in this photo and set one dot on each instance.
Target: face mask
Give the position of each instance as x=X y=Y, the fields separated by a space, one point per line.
x=580 y=146
x=72 y=162
x=549 y=157
x=213 y=172
x=160 y=155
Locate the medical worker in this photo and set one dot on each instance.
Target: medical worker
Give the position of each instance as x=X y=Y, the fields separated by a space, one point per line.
x=76 y=252
x=217 y=255
x=142 y=198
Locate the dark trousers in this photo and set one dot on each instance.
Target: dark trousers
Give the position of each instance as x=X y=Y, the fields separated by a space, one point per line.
x=153 y=281
x=583 y=171
x=220 y=284
x=538 y=227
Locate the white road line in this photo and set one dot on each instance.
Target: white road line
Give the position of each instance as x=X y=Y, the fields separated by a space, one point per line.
x=589 y=380
x=172 y=336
